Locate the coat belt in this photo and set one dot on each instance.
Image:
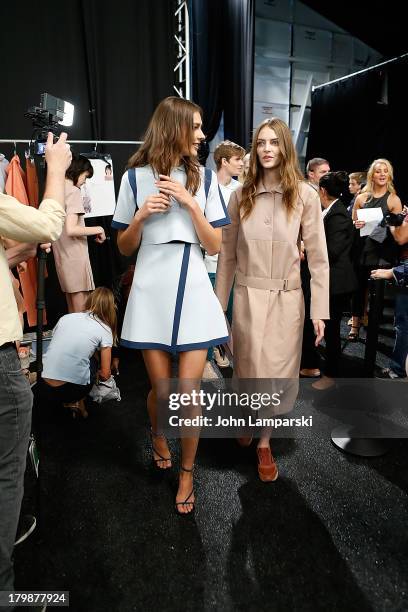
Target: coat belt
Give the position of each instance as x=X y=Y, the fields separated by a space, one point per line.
x=270 y=284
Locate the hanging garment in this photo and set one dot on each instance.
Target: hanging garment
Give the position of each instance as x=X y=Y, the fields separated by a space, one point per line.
x=3 y=175
x=16 y=187
x=32 y=183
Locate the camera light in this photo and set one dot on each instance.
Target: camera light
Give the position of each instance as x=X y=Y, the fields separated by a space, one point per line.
x=68 y=114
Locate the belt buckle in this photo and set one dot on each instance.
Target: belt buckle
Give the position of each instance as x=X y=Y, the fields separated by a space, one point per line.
x=285 y=284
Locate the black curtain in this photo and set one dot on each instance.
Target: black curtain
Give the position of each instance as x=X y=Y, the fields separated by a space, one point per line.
x=238 y=77
x=222 y=48
x=361 y=118
x=113 y=62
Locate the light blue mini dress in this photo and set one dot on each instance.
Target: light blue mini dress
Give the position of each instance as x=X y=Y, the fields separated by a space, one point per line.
x=172 y=305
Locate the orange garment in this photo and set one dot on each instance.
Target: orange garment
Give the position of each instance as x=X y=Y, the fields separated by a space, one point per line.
x=15 y=186
x=32 y=183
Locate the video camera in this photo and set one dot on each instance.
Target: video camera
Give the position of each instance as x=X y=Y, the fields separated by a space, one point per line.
x=52 y=114
x=393 y=220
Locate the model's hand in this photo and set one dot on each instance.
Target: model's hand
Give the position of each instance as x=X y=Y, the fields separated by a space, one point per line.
x=100 y=236
x=379 y=274
x=58 y=156
x=176 y=190
x=153 y=204
x=318 y=325
x=359 y=223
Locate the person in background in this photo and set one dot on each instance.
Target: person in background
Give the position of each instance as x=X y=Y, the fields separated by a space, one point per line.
x=310 y=361
x=379 y=192
x=71 y=250
x=315 y=169
x=228 y=158
x=69 y=369
x=339 y=238
x=357 y=180
x=260 y=250
x=245 y=169
x=397 y=367
x=24 y=224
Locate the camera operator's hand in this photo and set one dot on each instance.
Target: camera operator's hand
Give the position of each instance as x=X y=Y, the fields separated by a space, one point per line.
x=100 y=237
x=46 y=246
x=57 y=155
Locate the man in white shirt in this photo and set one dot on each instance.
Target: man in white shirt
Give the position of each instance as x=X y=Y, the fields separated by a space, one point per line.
x=23 y=224
x=229 y=160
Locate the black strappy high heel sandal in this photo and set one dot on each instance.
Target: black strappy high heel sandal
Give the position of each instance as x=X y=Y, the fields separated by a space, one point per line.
x=156 y=462
x=186 y=502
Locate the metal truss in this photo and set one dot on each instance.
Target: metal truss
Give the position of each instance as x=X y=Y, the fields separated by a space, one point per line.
x=182 y=84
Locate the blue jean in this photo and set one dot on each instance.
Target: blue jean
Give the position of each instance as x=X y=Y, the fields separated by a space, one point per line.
x=15 y=424
x=400 y=350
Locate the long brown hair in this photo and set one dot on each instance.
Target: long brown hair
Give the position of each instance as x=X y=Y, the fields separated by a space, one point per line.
x=168 y=136
x=290 y=173
x=101 y=303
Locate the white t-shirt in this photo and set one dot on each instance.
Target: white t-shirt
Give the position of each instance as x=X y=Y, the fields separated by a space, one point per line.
x=226 y=190
x=75 y=339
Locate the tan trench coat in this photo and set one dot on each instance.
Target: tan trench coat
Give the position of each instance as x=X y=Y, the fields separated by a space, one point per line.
x=262 y=254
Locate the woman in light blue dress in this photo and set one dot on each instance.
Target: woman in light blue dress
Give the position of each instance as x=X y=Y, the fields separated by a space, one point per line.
x=167 y=207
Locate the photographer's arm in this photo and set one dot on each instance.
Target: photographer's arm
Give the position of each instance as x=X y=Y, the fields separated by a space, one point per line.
x=27 y=224
x=20 y=252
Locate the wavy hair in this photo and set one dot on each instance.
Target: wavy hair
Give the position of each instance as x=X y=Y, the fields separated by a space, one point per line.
x=290 y=174
x=101 y=303
x=168 y=136
x=369 y=188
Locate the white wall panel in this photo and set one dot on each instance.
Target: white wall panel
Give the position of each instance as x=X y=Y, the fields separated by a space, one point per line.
x=272 y=38
x=311 y=43
x=266 y=110
x=281 y=10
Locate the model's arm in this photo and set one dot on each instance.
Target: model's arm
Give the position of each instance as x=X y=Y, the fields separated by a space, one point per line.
x=210 y=237
x=129 y=239
x=227 y=260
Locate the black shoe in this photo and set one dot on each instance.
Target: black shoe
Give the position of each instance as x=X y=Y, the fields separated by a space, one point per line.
x=387 y=373
x=26 y=526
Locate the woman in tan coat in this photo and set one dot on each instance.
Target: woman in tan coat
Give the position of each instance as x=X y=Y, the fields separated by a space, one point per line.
x=260 y=249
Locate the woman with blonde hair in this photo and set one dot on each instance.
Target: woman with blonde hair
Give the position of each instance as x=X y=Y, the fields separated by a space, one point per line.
x=245 y=169
x=270 y=213
x=167 y=206
x=70 y=365
x=377 y=249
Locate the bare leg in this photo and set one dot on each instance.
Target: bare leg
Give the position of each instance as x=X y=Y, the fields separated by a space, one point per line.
x=76 y=301
x=158 y=366
x=191 y=367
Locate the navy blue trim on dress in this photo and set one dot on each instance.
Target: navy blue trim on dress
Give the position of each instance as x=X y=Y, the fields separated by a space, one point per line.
x=179 y=348
x=118 y=225
x=221 y=222
x=180 y=294
x=223 y=203
x=207 y=180
x=133 y=184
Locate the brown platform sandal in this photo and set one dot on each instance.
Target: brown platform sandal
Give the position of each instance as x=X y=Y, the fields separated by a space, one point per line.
x=354 y=333
x=267 y=468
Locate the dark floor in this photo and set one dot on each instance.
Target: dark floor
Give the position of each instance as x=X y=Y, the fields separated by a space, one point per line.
x=330 y=534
